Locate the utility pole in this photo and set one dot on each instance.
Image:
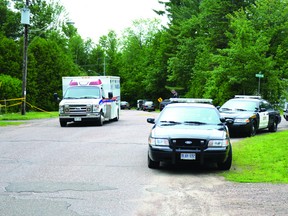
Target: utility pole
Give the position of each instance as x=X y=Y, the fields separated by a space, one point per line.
x=104 y=64
x=25 y=20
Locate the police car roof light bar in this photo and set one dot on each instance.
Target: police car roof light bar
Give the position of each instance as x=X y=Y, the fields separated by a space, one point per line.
x=248 y=96
x=190 y=100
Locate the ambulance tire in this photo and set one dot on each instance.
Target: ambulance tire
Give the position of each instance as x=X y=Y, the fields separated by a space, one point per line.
x=100 y=121
x=117 y=117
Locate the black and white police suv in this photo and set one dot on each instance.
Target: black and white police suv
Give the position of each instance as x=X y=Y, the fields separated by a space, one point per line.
x=246 y=115
x=189 y=133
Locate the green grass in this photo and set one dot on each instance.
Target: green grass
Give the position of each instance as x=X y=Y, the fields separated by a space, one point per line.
x=17 y=118
x=262 y=158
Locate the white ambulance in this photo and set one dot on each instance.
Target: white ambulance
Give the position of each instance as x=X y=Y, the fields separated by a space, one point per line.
x=90 y=99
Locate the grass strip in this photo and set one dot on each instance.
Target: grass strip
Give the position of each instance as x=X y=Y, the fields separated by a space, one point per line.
x=262 y=158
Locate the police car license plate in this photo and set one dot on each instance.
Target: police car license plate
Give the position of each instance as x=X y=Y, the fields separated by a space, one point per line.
x=77 y=119
x=188 y=156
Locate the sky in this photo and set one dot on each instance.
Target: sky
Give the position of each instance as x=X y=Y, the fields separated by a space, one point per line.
x=95 y=18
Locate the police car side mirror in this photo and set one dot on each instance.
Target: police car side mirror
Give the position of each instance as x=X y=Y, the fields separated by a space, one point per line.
x=222 y=119
x=151 y=120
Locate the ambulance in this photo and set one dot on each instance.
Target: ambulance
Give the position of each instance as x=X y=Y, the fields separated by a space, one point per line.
x=93 y=99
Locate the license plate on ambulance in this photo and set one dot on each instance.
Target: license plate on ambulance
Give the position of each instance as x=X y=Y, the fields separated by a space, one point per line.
x=77 y=119
x=188 y=156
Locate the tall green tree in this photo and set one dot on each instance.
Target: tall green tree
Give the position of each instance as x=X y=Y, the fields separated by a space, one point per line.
x=252 y=49
x=138 y=60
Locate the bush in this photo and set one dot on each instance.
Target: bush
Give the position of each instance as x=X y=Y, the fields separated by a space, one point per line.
x=10 y=88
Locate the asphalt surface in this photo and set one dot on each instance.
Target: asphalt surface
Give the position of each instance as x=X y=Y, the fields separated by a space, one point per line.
x=85 y=170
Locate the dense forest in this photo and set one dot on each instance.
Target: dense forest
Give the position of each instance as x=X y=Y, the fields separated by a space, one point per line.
x=209 y=49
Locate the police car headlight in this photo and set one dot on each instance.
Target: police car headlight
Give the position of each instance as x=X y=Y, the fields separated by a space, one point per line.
x=218 y=143
x=245 y=120
x=158 y=142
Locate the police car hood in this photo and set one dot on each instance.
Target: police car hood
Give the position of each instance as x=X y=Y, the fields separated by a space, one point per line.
x=189 y=131
x=236 y=114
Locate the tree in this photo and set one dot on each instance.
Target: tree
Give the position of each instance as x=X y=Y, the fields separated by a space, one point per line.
x=137 y=66
x=9 y=22
x=10 y=88
x=10 y=57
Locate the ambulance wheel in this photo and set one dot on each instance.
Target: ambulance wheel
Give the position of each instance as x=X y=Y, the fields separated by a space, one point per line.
x=117 y=117
x=100 y=121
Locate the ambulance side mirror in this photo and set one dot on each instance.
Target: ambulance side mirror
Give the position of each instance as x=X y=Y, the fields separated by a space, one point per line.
x=110 y=95
x=56 y=97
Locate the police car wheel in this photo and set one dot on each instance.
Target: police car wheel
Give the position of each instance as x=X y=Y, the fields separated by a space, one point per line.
x=63 y=123
x=273 y=127
x=252 y=131
x=153 y=164
x=227 y=164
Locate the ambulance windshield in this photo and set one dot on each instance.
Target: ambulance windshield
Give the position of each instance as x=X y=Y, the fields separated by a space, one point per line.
x=82 y=92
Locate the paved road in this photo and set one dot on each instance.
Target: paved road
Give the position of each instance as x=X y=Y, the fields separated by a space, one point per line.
x=98 y=171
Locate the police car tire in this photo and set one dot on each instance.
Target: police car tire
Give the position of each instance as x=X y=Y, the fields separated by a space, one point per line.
x=227 y=164
x=153 y=164
x=273 y=127
x=63 y=123
x=252 y=131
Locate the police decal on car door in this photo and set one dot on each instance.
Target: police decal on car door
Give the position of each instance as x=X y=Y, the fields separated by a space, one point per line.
x=263 y=119
x=263 y=116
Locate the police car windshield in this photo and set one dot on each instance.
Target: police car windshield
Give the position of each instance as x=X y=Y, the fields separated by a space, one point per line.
x=239 y=105
x=84 y=92
x=189 y=115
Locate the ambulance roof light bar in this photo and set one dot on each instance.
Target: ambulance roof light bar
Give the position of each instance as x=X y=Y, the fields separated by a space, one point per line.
x=85 y=82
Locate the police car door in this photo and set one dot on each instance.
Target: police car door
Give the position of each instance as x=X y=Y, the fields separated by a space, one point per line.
x=263 y=116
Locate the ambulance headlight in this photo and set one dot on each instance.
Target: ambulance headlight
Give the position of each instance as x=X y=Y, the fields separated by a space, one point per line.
x=61 y=109
x=95 y=108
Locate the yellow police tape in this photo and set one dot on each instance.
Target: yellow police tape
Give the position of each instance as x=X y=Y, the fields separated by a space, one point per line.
x=12 y=99
x=19 y=103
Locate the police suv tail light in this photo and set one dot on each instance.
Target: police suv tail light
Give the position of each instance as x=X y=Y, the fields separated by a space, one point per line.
x=158 y=142
x=218 y=143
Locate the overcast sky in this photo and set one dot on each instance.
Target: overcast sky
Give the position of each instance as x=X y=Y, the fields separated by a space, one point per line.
x=94 y=18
